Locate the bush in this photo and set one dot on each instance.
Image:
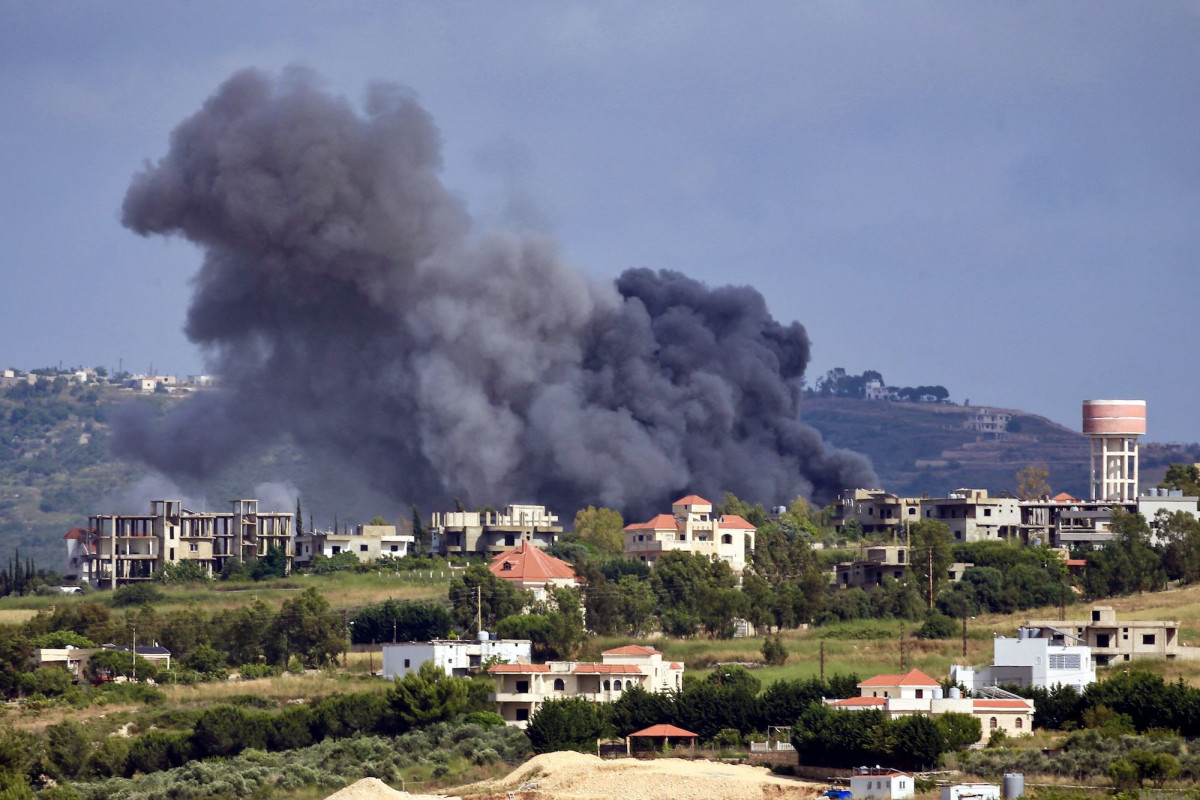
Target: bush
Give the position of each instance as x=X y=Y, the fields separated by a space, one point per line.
x=774 y=653
x=938 y=626
x=136 y=594
x=228 y=730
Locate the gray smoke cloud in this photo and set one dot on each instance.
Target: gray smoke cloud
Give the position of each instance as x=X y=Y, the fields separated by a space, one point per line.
x=345 y=299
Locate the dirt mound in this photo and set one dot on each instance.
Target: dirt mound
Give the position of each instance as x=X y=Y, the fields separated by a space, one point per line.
x=375 y=789
x=574 y=776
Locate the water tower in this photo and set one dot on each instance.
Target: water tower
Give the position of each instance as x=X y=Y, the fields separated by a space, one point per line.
x=1113 y=426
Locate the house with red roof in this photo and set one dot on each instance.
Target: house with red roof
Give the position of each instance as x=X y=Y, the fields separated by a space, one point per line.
x=530 y=568
x=692 y=527
x=522 y=688
x=914 y=692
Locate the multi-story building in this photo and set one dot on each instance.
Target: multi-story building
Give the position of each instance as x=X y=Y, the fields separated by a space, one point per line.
x=876 y=512
x=691 y=527
x=490 y=532
x=456 y=657
x=1030 y=660
x=522 y=688
x=1112 y=640
x=127 y=548
x=1066 y=521
x=368 y=542
x=972 y=516
x=917 y=693
x=884 y=561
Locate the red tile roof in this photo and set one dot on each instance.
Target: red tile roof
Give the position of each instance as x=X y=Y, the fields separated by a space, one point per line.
x=691 y=500
x=76 y=533
x=663 y=522
x=734 y=521
x=676 y=665
x=529 y=564
x=998 y=704
x=520 y=669
x=632 y=650
x=859 y=701
x=911 y=678
x=1063 y=497
x=607 y=669
x=665 y=730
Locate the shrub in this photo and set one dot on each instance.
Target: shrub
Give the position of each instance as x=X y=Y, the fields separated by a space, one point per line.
x=774 y=653
x=136 y=594
x=938 y=626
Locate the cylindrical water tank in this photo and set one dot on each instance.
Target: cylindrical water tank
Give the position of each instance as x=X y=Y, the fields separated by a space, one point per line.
x=483 y=636
x=1014 y=785
x=955 y=693
x=1114 y=417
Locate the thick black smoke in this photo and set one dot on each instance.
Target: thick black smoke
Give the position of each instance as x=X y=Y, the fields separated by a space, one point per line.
x=345 y=300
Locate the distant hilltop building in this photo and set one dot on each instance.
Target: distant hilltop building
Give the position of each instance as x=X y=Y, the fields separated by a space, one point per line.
x=118 y=549
x=491 y=532
x=691 y=527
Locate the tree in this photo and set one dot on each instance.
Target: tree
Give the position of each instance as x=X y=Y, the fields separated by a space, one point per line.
x=298 y=523
x=960 y=731
x=183 y=572
x=916 y=741
x=110 y=664
x=395 y=620
x=67 y=748
x=1183 y=477
x=929 y=550
x=479 y=590
x=427 y=695
x=637 y=709
x=272 y=565
x=602 y=528
x=828 y=737
x=571 y=723
x=1031 y=482
x=774 y=652
x=314 y=632
x=225 y=731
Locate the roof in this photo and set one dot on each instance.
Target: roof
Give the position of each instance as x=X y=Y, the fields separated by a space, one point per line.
x=658 y=523
x=911 y=678
x=76 y=533
x=676 y=665
x=885 y=772
x=142 y=651
x=526 y=564
x=520 y=669
x=665 y=730
x=859 y=701
x=607 y=669
x=691 y=500
x=632 y=650
x=1063 y=497
x=734 y=521
x=1076 y=562
x=1026 y=705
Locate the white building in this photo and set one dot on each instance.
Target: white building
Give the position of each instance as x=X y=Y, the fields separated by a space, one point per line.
x=522 y=688
x=882 y=783
x=972 y=516
x=368 y=542
x=971 y=791
x=1029 y=660
x=455 y=657
x=916 y=693
x=691 y=527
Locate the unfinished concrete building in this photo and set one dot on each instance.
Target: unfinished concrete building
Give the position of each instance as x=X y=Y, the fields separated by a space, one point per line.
x=491 y=532
x=128 y=548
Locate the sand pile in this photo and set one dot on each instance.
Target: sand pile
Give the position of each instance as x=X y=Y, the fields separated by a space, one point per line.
x=375 y=789
x=574 y=776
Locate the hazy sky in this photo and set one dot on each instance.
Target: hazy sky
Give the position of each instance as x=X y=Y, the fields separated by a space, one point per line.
x=1003 y=198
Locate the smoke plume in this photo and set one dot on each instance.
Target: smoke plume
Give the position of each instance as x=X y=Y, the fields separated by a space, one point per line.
x=344 y=299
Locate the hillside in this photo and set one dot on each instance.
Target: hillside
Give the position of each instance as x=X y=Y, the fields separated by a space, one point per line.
x=56 y=467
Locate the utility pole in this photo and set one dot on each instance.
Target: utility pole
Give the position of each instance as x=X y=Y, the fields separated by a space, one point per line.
x=964 y=634
x=134 y=626
x=478 y=608
x=930 y=549
x=822 y=661
x=902 y=647
x=393 y=631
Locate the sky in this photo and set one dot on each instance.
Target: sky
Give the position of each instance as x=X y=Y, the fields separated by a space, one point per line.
x=1002 y=198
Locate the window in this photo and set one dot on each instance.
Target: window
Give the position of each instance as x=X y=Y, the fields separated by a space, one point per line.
x=509 y=540
x=522 y=687
x=362 y=548
x=559 y=685
x=726 y=538
x=522 y=714
x=1019 y=723
x=987 y=512
x=912 y=511
x=993 y=723
x=172 y=556
x=607 y=686
x=920 y=694
x=406 y=663
x=617 y=685
x=395 y=548
x=1095 y=616
x=336 y=549
x=193 y=547
x=1147 y=638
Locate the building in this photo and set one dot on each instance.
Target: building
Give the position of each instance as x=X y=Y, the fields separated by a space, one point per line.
x=876 y=512
x=1030 y=660
x=522 y=688
x=456 y=657
x=1113 y=427
x=971 y=791
x=884 y=561
x=1066 y=521
x=78 y=564
x=881 y=783
x=491 y=532
x=691 y=527
x=1111 y=640
x=916 y=693
x=972 y=516
x=989 y=422
x=128 y=548
x=531 y=569
x=368 y=542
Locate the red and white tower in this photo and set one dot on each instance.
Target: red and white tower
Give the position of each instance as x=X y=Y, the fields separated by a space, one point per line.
x=1114 y=427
